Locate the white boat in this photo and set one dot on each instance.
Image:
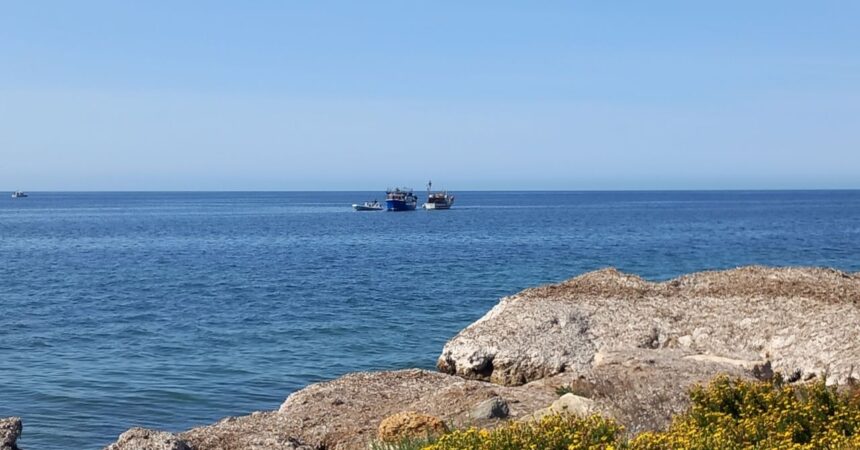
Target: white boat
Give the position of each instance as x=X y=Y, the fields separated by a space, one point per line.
x=438 y=200
x=19 y=194
x=368 y=206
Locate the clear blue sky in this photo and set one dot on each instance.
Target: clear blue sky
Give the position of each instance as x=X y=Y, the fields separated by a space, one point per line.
x=164 y=95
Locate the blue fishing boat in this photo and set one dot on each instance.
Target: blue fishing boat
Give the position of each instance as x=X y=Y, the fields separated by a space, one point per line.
x=400 y=199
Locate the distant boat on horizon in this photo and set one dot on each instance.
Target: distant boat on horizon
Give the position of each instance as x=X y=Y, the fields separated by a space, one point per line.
x=19 y=194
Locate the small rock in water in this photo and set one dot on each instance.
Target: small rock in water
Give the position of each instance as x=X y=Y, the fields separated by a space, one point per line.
x=493 y=408
x=10 y=430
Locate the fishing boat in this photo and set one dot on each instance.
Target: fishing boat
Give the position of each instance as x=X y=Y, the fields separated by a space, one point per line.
x=19 y=194
x=367 y=206
x=438 y=199
x=400 y=199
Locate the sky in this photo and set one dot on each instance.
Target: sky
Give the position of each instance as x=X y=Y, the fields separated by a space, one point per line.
x=496 y=95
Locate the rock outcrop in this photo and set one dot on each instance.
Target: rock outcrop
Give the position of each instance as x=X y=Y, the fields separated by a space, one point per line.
x=258 y=431
x=801 y=320
x=641 y=388
x=621 y=346
x=144 y=439
x=345 y=413
x=10 y=430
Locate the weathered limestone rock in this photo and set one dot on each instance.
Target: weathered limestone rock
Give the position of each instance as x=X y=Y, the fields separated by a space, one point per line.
x=573 y=404
x=257 y=431
x=10 y=431
x=410 y=425
x=798 y=319
x=346 y=413
x=144 y=439
x=493 y=408
x=642 y=388
x=566 y=404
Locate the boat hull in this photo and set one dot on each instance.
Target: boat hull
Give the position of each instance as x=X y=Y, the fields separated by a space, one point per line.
x=437 y=206
x=366 y=208
x=400 y=205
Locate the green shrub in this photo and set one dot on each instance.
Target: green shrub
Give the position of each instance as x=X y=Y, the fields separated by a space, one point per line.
x=561 y=390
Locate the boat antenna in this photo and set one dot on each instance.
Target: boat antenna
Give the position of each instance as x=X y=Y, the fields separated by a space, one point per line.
x=429 y=185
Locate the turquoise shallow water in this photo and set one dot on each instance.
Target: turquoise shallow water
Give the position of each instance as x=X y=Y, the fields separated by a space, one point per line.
x=171 y=310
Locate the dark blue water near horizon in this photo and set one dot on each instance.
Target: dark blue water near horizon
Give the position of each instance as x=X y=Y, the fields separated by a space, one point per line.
x=172 y=310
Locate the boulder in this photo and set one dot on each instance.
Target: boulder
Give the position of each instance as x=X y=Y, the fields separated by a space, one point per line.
x=799 y=319
x=493 y=408
x=145 y=439
x=410 y=425
x=566 y=404
x=10 y=431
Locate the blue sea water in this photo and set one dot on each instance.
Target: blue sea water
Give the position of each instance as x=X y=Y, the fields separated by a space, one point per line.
x=171 y=310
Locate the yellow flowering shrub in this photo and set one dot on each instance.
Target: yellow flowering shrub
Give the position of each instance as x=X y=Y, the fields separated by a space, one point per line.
x=553 y=432
x=736 y=414
x=728 y=414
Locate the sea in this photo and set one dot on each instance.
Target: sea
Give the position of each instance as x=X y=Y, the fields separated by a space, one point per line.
x=171 y=310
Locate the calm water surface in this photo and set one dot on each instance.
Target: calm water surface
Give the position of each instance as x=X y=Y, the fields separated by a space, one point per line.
x=170 y=310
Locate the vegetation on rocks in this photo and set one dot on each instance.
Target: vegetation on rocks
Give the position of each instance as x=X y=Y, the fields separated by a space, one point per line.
x=726 y=414
x=734 y=414
x=553 y=432
x=403 y=444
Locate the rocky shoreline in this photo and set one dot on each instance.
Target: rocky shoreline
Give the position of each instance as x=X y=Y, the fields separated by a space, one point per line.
x=620 y=345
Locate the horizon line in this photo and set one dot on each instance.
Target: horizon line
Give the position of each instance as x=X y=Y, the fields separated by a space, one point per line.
x=462 y=190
